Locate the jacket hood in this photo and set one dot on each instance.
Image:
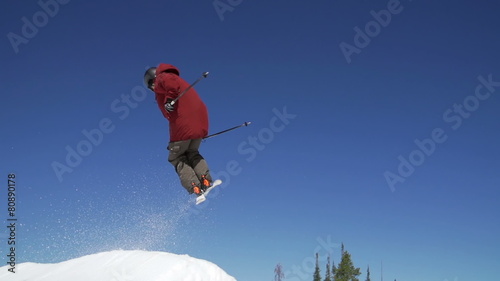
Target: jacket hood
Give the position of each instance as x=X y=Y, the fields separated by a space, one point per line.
x=164 y=67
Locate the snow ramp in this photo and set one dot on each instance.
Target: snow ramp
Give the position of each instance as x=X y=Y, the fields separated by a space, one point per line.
x=120 y=266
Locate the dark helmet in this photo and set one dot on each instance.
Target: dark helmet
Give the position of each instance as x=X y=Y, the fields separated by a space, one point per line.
x=149 y=77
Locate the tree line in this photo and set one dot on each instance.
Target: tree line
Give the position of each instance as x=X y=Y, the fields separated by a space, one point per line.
x=343 y=271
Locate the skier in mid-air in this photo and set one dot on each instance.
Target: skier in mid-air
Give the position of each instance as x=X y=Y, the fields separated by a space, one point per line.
x=188 y=120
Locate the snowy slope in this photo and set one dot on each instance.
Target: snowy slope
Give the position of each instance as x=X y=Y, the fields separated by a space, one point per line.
x=120 y=266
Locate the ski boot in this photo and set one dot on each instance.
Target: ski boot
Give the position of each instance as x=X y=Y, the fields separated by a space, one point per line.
x=205 y=183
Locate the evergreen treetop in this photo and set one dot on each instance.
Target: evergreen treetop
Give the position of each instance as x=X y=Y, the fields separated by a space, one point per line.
x=317 y=275
x=346 y=270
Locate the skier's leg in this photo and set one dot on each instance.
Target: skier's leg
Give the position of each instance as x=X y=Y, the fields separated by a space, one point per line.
x=178 y=158
x=197 y=161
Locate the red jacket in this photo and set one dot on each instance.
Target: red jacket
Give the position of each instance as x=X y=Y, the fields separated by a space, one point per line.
x=189 y=120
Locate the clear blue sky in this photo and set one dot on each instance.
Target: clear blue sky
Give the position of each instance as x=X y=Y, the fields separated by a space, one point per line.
x=319 y=176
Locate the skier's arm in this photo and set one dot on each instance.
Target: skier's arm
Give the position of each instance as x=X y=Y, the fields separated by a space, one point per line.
x=169 y=84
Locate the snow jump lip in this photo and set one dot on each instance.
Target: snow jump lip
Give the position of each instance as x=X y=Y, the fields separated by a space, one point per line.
x=121 y=265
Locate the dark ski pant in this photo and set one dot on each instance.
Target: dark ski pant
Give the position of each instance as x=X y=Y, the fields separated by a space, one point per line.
x=188 y=163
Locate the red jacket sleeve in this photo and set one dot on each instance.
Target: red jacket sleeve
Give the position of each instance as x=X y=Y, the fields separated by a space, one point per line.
x=167 y=88
x=168 y=85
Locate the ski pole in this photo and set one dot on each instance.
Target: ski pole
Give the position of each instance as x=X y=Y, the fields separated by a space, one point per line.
x=230 y=129
x=203 y=75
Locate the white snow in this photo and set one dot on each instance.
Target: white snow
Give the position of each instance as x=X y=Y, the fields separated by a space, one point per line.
x=120 y=266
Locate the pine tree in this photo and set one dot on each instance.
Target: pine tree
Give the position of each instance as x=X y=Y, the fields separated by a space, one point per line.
x=317 y=275
x=346 y=270
x=334 y=270
x=368 y=274
x=328 y=274
x=278 y=273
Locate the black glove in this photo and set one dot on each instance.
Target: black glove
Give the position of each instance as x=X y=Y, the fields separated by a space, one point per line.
x=169 y=107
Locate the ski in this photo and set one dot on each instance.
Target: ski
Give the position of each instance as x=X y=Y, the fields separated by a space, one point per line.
x=202 y=198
